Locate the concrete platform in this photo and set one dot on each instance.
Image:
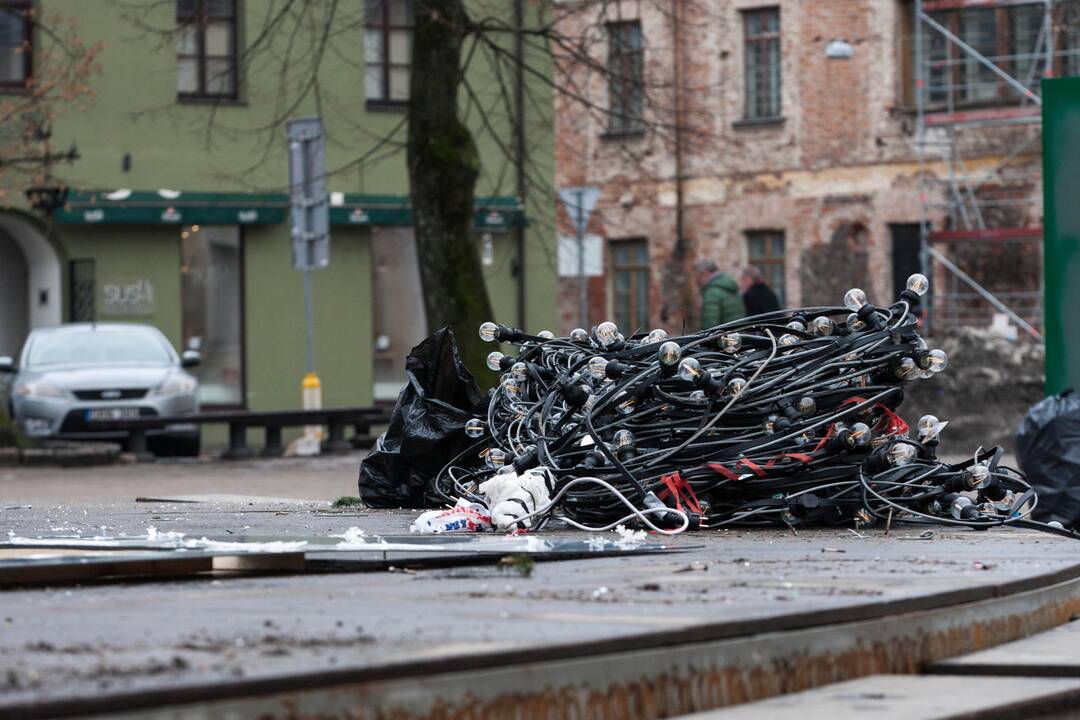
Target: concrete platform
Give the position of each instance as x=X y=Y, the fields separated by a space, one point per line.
x=913 y=697
x=1054 y=653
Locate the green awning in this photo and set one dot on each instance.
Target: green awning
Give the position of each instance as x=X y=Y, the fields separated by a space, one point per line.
x=169 y=207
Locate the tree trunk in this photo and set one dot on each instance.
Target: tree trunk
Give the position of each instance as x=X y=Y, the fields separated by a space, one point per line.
x=443 y=168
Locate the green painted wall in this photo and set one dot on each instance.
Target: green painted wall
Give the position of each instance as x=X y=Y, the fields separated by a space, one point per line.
x=1061 y=238
x=135 y=111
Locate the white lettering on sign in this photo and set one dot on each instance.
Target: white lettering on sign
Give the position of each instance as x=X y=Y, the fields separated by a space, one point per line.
x=135 y=298
x=92 y=216
x=247 y=216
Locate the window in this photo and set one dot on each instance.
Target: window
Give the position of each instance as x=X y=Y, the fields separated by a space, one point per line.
x=765 y=248
x=1011 y=37
x=211 y=309
x=630 y=284
x=16 y=56
x=388 y=50
x=625 y=82
x=762 y=40
x=206 y=61
x=82 y=289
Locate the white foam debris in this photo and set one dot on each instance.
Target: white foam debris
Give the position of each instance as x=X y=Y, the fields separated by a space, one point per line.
x=596 y=543
x=155 y=535
x=353 y=536
x=629 y=538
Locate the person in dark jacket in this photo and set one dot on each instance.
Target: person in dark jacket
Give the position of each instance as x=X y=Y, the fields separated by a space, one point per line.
x=757 y=296
x=720 y=299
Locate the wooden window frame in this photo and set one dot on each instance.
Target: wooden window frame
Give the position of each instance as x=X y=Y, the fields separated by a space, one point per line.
x=200 y=20
x=626 y=79
x=632 y=268
x=759 y=43
x=26 y=6
x=384 y=25
x=769 y=260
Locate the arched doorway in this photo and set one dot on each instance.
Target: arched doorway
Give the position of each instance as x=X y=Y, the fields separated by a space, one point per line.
x=30 y=281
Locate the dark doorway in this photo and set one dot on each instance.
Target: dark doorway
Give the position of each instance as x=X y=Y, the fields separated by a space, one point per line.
x=905 y=254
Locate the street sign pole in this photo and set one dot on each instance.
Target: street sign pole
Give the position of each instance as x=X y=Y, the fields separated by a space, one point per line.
x=309 y=219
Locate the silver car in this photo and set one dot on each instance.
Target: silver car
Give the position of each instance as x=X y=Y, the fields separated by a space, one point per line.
x=71 y=377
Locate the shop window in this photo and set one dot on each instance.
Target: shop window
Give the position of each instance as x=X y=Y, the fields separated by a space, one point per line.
x=761 y=37
x=388 y=50
x=1011 y=37
x=206 y=56
x=765 y=250
x=398 y=317
x=16 y=43
x=82 y=289
x=626 y=85
x=211 y=300
x=630 y=284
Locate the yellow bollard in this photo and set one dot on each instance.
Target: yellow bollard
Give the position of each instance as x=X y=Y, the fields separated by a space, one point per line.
x=311 y=392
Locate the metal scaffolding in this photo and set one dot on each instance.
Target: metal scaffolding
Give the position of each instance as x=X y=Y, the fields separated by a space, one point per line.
x=978 y=65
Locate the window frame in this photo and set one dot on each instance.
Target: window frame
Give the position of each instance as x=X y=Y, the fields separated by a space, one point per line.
x=26 y=6
x=762 y=40
x=385 y=28
x=620 y=83
x=633 y=268
x=769 y=260
x=200 y=21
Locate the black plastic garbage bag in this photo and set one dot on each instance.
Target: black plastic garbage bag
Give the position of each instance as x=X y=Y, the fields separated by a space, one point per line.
x=427 y=427
x=1048 y=448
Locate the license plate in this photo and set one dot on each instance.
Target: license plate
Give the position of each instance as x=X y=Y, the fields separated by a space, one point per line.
x=107 y=414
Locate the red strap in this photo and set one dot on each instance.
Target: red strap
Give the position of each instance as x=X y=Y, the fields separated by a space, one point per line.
x=679 y=489
x=718 y=468
x=752 y=465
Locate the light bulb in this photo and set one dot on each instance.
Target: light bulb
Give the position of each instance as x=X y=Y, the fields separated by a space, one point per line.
x=937 y=361
x=590 y=402
x=579 y=335
x=907 y=369
x=797 y=326
x=624 y=438
x=929 y=428
x=597 y=367
x=736 y=386
x=697 y=396
x=977 y=476
x=770 y=424
x=657 y=335
x=519 y=370
x=731 y=343
x=854 y=299
x=607 y=333
x=669 y=353
x=854 y=323
x=918 y=284
x=900 y=453
x=494 y=360
x=545 y=334
x=627 y=406
x=489 y=332
x=689 y=369
x=496 y=458
x=822 y=325
x=859 y=434
x=788 y=340
x=474 y=427
x=806 y=405
x=959 y=504
x=511 y=385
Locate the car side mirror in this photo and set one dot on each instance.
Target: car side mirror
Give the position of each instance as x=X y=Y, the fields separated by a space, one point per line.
x=190 y=358
x=7 y=364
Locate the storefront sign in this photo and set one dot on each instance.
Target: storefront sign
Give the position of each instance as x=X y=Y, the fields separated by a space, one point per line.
x=135 y=298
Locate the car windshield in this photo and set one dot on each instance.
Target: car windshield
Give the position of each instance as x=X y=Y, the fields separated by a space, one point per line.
x=98 y=347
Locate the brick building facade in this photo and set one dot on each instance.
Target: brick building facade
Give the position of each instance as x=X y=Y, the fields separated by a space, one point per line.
x=785 y=133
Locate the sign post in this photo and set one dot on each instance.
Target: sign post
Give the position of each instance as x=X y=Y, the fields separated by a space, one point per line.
x=309 y=220
x=579 y=202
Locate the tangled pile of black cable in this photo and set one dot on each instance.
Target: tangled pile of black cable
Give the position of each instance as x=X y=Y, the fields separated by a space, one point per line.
x=784 y=418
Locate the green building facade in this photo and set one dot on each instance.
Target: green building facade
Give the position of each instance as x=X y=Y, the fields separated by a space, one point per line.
x=176 y=213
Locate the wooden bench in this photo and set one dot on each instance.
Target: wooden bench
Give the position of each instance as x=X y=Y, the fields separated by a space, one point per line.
x=272 y=421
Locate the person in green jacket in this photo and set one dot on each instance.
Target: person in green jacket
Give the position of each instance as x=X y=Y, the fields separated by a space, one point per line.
x=721 y=301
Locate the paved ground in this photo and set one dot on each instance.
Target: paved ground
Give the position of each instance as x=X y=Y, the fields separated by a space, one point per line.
x=57 y=642
x=323 y=478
